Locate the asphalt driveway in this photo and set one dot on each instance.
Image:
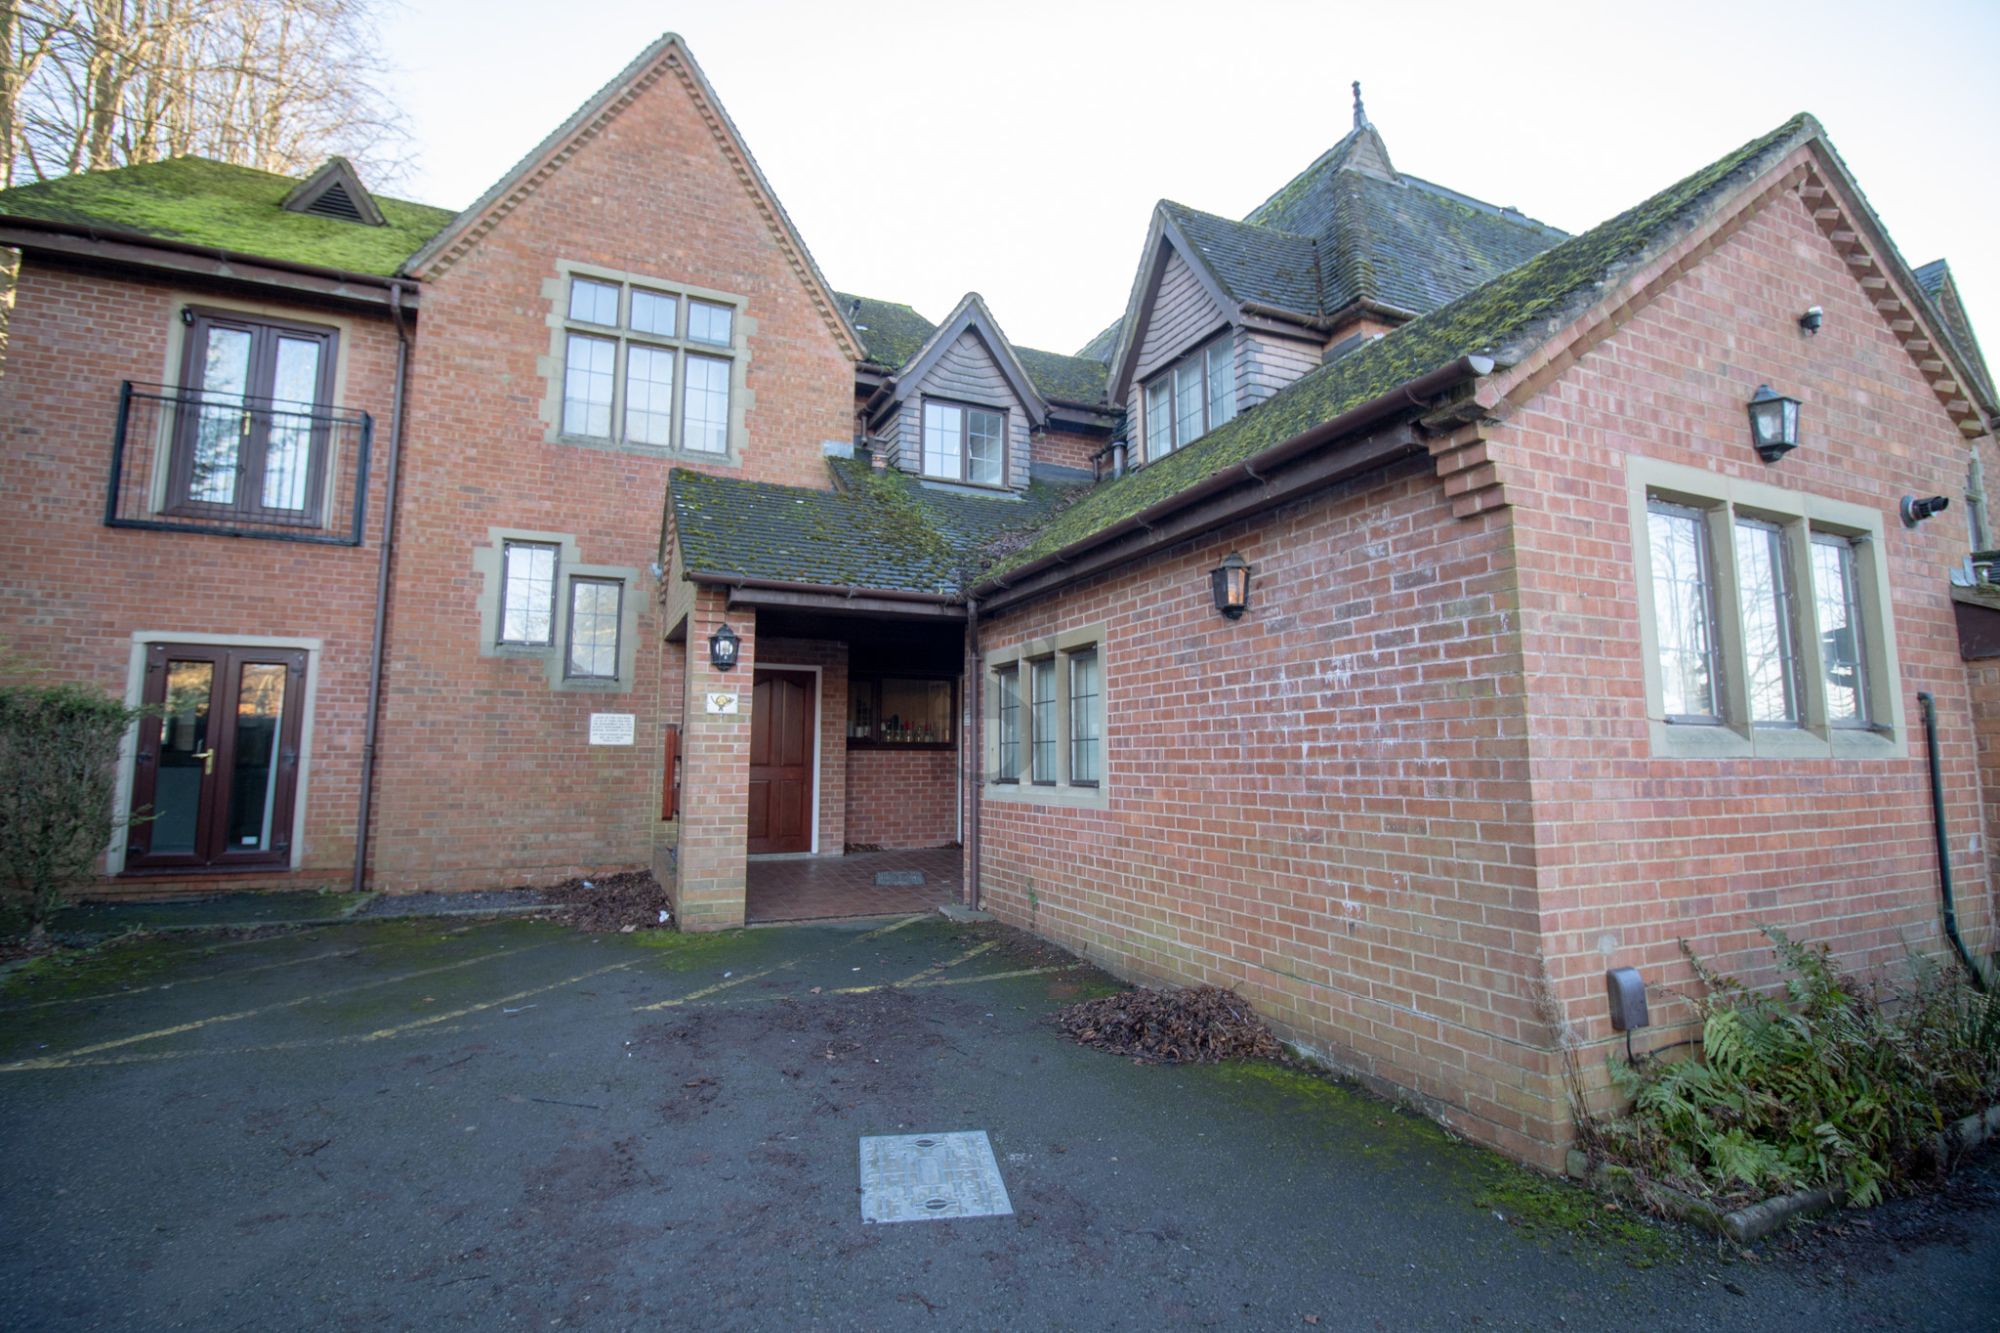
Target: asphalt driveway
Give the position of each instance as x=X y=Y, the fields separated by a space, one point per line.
x=503 y=1123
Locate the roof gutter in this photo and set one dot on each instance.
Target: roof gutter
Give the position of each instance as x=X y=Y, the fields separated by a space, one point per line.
x=825 y=589
x=1416 y=393
x=119 y=236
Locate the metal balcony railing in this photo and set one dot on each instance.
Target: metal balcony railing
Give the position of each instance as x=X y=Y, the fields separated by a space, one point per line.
x=184 y=460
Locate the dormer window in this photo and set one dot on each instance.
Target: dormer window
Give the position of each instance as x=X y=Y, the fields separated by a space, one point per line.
x=1191 y=397
x=965 y=443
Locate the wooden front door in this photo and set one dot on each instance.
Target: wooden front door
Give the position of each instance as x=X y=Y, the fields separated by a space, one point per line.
x=218 y=762
x=781 y=761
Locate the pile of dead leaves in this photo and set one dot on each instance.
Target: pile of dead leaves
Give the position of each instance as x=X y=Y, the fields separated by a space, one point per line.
x=630 y=901
x=1194 y=1026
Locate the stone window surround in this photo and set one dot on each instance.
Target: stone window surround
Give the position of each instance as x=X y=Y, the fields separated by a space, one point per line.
x=1020 y=655
x=487 y=562
x=550 y=365
x=1798 y=515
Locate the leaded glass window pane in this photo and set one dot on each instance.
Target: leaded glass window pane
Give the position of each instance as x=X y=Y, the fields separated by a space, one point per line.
x=528 y=593
x=1684 y=612
x=705 y=428
x=1837 y=611
x=593 y=302
x=1007 y=689
x=1770 y=654
x=594 y=605
x=1159 y=418
x=1084 y=712
x=944 y=426
x=653 y=312
x=709 y=323
x=1221 y=381
x=1042 y=719
x=649 y=395
x=986 y=447
x=588 y=380
x=1187 y=402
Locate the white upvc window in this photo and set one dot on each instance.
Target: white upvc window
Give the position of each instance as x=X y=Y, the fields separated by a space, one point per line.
x=965 y=443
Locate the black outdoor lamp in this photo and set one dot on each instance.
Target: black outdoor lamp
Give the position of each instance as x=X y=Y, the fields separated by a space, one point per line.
x=722 y=648
x=1231 y=581
x=1774 y=423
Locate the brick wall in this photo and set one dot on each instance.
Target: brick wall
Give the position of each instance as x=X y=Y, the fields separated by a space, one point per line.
x=1323 y=805
x=1071 y=449
x=1635 y=851
x=902 y=798
x=486 y=775
x=76 y=591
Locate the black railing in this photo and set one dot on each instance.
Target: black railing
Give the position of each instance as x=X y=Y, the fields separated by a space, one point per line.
x=185 y=460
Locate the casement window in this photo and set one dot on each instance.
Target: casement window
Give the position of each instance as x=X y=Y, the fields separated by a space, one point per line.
x=1007 y=698
x=1764 y=617
x=596 y=609
x=528 y=593
x=1045 y=720
x=1191 y=397
x=965 y=443
x=254 y=425
x=645 y=364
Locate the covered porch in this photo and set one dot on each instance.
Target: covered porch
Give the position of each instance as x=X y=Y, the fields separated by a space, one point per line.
x=821 y=888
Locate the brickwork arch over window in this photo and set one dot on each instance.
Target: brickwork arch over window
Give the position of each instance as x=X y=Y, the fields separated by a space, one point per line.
x=1763 y=618
x=641 y=363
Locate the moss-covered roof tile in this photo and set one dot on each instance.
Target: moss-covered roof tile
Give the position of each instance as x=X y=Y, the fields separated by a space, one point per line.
x=895 y=332
x=198 y=201
x=878 y=530
x=1505 y=318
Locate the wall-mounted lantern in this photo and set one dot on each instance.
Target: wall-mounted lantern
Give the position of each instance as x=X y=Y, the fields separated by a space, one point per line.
x=1231 y=580
x=722 y=648
x=1774 y=423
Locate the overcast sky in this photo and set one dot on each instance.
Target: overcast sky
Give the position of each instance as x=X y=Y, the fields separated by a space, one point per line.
x=1017 y=149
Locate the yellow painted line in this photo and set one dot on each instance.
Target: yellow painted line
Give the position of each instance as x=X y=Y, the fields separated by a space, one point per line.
x=707 y=991
x=397 y=1031
x=935 y=968
x=189 y=981
x=993 y=976
x=156 y=1057
x=892 y=927
x=47 y=1061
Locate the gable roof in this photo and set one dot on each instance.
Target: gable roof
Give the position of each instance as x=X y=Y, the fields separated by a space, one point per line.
x=199 y=201
x=1505 y=319
x=970 y=315
x=878 y=529
x=1941 y=290
x=1349 y=230
x=894 y=333
x=666 y=57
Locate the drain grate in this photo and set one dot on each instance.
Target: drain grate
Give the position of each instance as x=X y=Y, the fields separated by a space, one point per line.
x=910 y=1177
x=896 y=879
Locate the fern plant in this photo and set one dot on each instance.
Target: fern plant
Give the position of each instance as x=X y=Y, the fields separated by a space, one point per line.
x=1833 y=1082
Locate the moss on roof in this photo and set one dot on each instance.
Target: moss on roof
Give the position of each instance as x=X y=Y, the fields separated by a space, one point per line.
x=874 y=529
x=1506 y=318
x=1073 y=379
x=198 y=201
x=891 y=332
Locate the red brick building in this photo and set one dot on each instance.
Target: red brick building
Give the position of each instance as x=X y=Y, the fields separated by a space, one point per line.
x=1393 y=615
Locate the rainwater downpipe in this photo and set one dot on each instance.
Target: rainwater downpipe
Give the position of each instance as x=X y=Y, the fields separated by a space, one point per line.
x=974 y=744
x=378 y=647
x=1929 y=707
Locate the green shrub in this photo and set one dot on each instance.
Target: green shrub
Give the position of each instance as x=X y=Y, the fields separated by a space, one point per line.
x=1837 y=1082
x=58 y=766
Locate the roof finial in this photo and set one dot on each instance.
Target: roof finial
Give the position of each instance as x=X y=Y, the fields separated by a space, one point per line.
x=1360 y=113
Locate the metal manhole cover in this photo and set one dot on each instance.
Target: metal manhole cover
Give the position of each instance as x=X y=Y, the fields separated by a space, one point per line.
x=890 y=879
x=910 y=1177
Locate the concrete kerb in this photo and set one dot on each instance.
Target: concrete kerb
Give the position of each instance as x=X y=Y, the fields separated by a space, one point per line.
x=1755 y=1221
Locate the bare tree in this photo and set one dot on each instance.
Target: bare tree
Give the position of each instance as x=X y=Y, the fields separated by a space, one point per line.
x=275 y=84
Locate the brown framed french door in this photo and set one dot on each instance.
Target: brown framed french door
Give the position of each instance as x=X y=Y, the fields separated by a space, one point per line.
x=216 y=773
x=782 y=711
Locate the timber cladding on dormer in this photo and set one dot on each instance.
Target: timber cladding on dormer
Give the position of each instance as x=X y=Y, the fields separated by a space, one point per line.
x=962 y=409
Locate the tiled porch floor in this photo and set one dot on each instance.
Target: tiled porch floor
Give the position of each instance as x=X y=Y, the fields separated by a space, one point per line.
x=820 y=887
